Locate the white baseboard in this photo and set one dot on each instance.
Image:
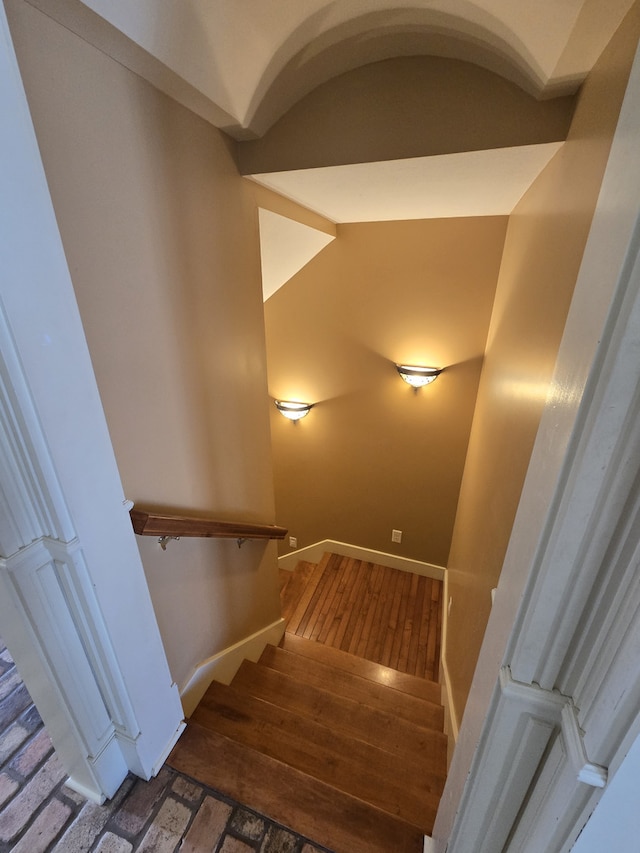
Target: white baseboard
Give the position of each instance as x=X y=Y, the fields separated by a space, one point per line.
x=451 y=724
x=84 y=791
x=428 y=845
x=223 y=666
x=168 y=747
x=314 y=553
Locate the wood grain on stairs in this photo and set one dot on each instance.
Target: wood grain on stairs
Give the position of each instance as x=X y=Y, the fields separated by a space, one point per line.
x=378 y=727
x=338 y=821
x=344 y=750
x=422 y=688
x=345 y=684
x=352 y=766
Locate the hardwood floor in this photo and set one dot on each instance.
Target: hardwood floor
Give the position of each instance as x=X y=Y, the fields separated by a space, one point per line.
x=337 y=733
x=384 y=615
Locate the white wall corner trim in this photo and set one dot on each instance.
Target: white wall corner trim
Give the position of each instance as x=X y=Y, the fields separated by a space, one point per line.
x=224 y=665
x=162 y=757
x=314 y=553
x=90 y=653
x=587 y=772
x=558 y=710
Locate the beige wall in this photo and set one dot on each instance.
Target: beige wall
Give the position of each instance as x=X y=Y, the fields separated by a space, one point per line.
x=374 y=455
x=161 y=238
x=543 y=250
x=405 y=107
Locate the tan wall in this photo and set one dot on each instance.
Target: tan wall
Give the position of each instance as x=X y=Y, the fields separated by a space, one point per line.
x=161 y=238
x=405 y=107
x=373 y=455
x=543 y=250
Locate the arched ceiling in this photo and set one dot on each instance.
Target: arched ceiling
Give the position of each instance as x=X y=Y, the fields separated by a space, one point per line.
x=242 y=64
x=246 y=62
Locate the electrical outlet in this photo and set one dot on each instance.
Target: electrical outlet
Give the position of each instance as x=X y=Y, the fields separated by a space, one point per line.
x=396 y=536
x=293 y=542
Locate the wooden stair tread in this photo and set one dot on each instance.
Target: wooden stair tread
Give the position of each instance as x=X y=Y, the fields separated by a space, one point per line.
x=411 y=684
x=345 y=684
x=404 y=788
x=338 y=821
x=376 y=726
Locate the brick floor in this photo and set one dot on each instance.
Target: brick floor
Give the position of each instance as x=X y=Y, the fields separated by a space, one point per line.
x=169 y=814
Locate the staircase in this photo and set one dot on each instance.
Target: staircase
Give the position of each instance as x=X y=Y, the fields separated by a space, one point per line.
x=345 y=751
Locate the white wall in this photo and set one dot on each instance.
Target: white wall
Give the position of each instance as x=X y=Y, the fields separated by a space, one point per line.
x=75 y=607
x=161 y=236
x=615 y=823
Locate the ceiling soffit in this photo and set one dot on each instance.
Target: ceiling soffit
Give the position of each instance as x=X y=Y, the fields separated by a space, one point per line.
x=476 y=183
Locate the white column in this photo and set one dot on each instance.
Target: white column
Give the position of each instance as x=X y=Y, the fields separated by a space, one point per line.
x=74 y=604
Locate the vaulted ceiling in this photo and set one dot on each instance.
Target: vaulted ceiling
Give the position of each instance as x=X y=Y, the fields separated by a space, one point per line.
x=243 y=64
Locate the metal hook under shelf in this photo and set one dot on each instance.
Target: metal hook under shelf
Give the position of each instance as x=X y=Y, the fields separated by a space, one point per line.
x=164 y=540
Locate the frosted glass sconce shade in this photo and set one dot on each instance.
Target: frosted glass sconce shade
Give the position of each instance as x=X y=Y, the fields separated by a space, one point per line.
x=417 y=376
x=292 y=410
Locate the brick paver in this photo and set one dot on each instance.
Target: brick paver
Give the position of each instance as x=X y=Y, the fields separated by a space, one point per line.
x=12 y=737
x=187 y=790
x=8 y=683
x=11 y=740
x=90 y=822
x=278 y=840
x=32 y=754
x=207 y=827
x=13 y=705
x=234 y=845
x=110 y=843
x=44 y=829
x=8 y=787
x=17 y=813
x=137 y=807
x=247 y=824
x=167 y=828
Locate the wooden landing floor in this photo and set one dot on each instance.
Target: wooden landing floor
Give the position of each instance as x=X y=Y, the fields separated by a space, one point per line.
x=384 y=615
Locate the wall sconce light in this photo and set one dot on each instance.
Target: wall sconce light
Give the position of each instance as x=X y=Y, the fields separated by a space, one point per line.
x=293 y=411
x=416 y=376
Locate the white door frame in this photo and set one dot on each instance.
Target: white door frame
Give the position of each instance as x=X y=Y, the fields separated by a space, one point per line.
x=554 y=704
x=75 y=609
